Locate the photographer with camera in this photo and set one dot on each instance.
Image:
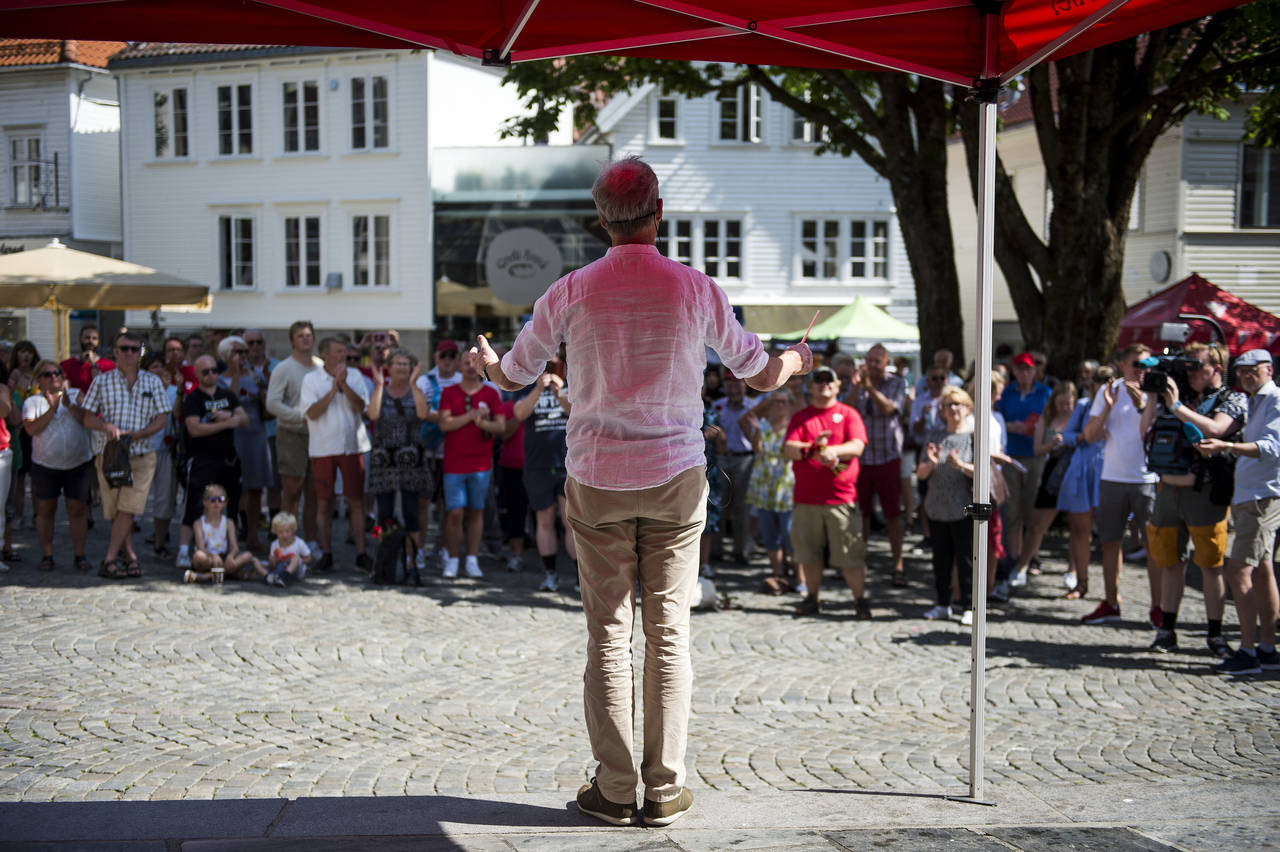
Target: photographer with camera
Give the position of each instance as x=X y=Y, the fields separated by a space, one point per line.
x=1255 y=509
x=1188 y=403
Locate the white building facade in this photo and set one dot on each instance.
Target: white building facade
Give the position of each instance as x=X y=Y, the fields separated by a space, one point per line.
x=294 y=182
x=60 y=123
x=746 y=201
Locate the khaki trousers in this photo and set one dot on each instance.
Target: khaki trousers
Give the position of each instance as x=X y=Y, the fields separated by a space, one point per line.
x=652 y=535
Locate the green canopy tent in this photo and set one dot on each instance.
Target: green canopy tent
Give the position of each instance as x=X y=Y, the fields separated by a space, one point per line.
x=858 y=326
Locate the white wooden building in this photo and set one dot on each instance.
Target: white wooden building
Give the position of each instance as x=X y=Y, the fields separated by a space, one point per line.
x=746 y=200
x=1207 y=203
x=60 y=122
x=294 y=181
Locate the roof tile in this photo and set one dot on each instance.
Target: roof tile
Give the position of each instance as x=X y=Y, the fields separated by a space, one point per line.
x=34 y=51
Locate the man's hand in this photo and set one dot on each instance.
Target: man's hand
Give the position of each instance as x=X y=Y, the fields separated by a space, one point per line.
x=1170 y=393
x=828 y=456
x=220 y=415
x=806 y=357
x=1212 y=446
x=543 y=381
x=379 y=374
x=1135 y=392
x=481 y=355
x=113 y=432
x=340 y=378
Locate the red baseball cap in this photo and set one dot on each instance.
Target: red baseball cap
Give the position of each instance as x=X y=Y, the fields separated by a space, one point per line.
x=447 y=346
x=1024 y=360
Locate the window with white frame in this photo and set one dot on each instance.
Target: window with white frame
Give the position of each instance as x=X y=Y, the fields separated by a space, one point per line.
x=300 y=101
x=302 y=251
x=25 y=170
x=805 y=132
x=370 y=124
x=235 y=119
x=712 y=245
x=667 y=118
x=840 y=248
x=738 y=114
x=1259 y=188
x=171 y=122
x=371 y=251
x=236 y=252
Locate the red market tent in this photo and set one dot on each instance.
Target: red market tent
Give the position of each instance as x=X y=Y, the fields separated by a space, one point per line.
x=981 y=44
x=1246 y=326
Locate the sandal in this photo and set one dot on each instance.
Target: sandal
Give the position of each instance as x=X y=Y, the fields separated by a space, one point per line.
x=161 y=552
x=899 y=580
x=132 y=568
x=83 y=564
x=1076 y=594
x=112 y=570
x=189 y=576
x=46 y=563
x=10 y=555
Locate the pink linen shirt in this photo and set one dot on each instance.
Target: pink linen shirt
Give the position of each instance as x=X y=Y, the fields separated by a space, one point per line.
x=635 y=326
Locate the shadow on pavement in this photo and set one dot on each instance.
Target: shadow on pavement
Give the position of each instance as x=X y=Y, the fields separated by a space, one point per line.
x=279 y=824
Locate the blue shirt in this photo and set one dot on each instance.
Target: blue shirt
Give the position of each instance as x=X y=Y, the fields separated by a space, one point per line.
x=1016 y=408
x=1260 y=477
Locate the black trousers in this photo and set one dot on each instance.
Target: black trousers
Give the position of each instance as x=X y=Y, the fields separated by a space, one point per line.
x=952 y=542
x=204 y=472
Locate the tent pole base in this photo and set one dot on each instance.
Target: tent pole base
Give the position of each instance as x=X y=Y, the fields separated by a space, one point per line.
x=969 y=800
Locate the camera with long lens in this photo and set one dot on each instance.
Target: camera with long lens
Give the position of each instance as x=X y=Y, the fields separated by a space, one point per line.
x=1161 y=368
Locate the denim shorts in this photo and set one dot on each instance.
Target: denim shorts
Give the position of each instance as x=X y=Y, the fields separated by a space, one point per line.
x=466 y=490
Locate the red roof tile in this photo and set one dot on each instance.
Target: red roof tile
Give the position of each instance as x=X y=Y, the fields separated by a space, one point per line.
x=34 y=51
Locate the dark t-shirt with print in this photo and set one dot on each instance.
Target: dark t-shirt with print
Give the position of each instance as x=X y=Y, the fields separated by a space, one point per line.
x=545 y=447
x=219 y=446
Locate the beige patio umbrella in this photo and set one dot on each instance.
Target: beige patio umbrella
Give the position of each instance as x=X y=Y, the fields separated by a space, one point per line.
x=454 y=299
x=62 y=280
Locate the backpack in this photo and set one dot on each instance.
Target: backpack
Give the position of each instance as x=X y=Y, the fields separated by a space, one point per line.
x=1171 y=445
x=393 y=559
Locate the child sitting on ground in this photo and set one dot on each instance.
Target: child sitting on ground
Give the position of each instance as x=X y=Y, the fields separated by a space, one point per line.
x=216 y=552
x=289 y=554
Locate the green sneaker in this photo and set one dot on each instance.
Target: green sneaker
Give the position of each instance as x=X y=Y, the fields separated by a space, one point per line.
x=665 y=813
x=592 y=801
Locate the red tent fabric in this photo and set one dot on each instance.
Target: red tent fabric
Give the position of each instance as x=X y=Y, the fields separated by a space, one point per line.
x=1246 y=326
x=937 y=38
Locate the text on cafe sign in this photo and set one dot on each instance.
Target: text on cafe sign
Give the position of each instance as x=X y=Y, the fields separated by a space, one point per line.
x=520 y=264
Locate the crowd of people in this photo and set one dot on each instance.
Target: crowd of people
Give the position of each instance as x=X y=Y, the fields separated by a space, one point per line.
x=804 y=475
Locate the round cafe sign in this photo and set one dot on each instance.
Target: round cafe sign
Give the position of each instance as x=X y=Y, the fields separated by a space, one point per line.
x=520 y=264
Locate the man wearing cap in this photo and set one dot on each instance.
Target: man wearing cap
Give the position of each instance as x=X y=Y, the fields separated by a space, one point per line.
x=1127 y=487
x=1021 y=403
x=735 y=463
x=824 y=441
x=1255 y=507
x=635 y=327
x=880 y=398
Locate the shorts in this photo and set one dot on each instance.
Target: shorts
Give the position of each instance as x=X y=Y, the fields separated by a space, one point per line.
x=50 y=483
x=131 y=500
x=544 y=485
x=325 y=470
x=466 y=490
x=1116 y=502
x=1019 y=506
x=293 y=459
x=836 y=528
x=884 y=480
x=1256 y=524
x=1177 y=506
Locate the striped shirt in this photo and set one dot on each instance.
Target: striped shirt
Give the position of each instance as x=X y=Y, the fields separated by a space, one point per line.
x=129 y=409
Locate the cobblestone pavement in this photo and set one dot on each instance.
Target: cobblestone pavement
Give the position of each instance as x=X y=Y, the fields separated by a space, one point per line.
x=148 y=689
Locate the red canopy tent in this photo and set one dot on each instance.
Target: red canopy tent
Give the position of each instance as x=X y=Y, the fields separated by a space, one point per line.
x=1246 y=326
x=981 y=44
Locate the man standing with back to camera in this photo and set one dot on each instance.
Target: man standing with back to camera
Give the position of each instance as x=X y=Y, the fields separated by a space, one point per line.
x=635 y=325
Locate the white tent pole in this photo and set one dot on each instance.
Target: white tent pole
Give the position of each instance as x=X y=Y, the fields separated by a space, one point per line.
x=982 y=438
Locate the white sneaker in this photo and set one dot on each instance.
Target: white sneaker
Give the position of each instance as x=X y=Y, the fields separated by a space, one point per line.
x=420 y=561
x=1001 y=591
x=515 y=563
x=937 y=612
x=1070 y=581
x=184 y=558
x=550 y=583
x=450 y=567
x=1019 y=579
x=967 y=618
x=705 y=571
x=473 y=568
x=316 y=550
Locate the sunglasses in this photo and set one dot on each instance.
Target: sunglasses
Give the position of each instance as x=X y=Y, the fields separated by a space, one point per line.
x=353 y=359
x=50 y=374
x=446 y=354
x=215 y=499
x=256 y=342
x=1137 y=364
x=127 y=348
x=207 y=370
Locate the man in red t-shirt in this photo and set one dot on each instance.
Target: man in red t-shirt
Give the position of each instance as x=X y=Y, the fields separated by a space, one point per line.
x=471 y=414
x=824 y=442
x=81 y=371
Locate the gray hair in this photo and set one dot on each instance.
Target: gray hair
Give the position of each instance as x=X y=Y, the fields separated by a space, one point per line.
x=402 y=353
x=227 y=344
x=626 y=195
x=331 y=341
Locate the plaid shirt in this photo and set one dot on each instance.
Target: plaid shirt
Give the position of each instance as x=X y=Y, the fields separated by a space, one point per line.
x=884 y=431
x=130 y=409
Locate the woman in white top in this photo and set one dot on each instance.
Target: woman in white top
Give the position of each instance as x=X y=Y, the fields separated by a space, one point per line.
x=61 y=460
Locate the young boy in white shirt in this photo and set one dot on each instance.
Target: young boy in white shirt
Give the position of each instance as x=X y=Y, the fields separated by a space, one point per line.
x=289 y=554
